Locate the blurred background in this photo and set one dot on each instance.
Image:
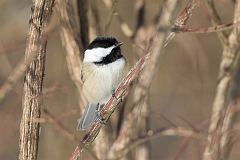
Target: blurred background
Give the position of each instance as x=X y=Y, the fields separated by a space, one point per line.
x=182 y=90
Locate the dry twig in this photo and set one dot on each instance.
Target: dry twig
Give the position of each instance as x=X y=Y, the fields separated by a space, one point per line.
x=182 y=19
x=216 y=20
x=22 y=65
x=56 y=123
x=171 y=131
x=59 y=126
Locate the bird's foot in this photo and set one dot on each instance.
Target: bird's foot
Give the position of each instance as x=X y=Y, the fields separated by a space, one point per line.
x=99 y=118
x=114 y=96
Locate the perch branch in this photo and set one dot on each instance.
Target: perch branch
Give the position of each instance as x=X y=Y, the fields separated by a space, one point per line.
x=145 y=79
x=109 y=107
x=120 y=92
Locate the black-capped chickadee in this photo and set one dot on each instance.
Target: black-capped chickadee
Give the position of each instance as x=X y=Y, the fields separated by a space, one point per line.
x=102 y=70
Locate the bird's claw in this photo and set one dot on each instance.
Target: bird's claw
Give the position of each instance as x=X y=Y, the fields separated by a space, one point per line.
x=99 y=118
x=113 y=94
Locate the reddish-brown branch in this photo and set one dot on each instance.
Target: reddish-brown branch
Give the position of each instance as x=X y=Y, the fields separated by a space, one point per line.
x=155 y=46
x=140 y=94
x=110 y=107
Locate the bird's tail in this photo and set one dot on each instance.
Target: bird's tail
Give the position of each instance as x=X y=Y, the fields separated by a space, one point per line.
x=88 y=117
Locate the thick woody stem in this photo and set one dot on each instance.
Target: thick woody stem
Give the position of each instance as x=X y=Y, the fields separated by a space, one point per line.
x=228 y=67
x=32 y=91
x=72 y=41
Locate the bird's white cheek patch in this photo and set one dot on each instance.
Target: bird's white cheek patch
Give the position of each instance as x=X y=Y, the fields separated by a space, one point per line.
x=96 y=54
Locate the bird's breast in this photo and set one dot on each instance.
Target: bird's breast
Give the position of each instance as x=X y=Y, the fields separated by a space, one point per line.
x=102 y=80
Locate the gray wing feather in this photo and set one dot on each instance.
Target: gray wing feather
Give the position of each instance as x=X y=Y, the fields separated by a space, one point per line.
x=88 y=117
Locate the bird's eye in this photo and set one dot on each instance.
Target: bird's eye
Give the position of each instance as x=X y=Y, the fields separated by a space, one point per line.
x=117 y=51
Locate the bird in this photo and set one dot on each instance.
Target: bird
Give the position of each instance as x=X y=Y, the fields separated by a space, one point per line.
x=103 y=68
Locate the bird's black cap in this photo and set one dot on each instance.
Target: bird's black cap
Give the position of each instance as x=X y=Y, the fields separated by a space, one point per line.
x=103 y=42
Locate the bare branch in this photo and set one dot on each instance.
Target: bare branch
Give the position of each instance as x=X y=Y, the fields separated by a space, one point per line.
x=59 y=126
x=225 y=146
x=217 y=28
x=32 y=95
x=110 y=107
x=171 y=131
x=110 y=18
x=82 y=8
x=228 y=67
x=74 y=45
x=56 y=123
x=22 y=65
x=216 y=20
x=182 y=18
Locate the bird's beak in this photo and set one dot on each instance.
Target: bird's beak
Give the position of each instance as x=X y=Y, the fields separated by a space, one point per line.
x=119 y=44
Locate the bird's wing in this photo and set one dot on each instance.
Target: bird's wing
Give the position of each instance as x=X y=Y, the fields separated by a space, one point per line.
x=88 y=117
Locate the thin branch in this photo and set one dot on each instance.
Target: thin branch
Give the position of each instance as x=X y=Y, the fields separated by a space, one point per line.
x=199 y=30
x=59 y=126
x=22 y=65
x=182 y=148
x=216 y=20
x=94 y=20
x=56 y=123
x=110 y=18
x=182 y=19
x=12 y=46
x=125 y=28
x=150 y=135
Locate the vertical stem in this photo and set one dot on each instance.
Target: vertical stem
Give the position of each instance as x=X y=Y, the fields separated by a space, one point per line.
x=72 y=41
x=225 y=146
x=228 y=67
x=83 y=7
x=32 y=91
